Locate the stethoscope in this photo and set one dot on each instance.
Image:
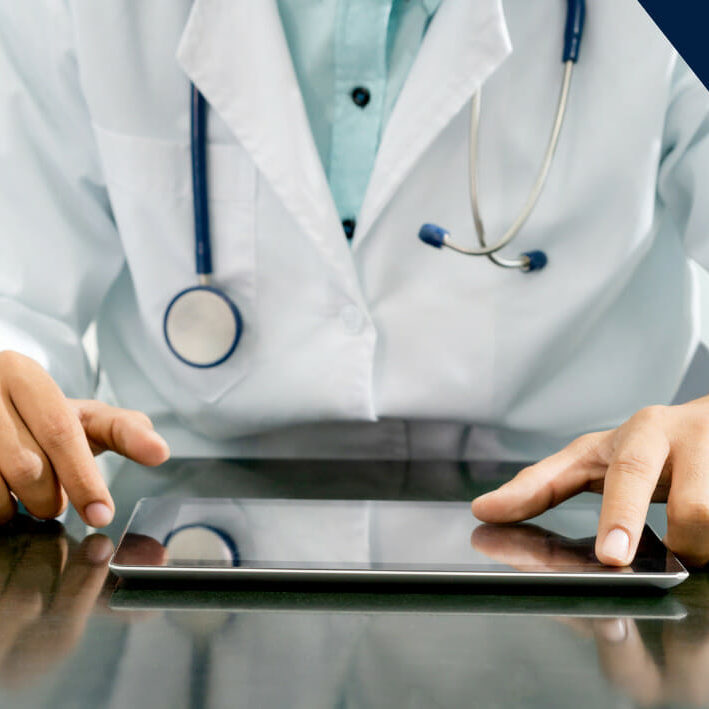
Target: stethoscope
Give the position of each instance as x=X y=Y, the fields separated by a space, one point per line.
x=203 y=325
x=435 y=235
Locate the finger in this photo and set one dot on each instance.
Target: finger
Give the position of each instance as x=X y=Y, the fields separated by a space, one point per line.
x=41 y=563
x=625 y=660
x=129 y=433
x=25 y=469
x=27 y=589
x=19 y=608
x=637 y=463
x=55 y=426
x=68 y=613
x=547 y=483
x=688 y=504
x=28 y=556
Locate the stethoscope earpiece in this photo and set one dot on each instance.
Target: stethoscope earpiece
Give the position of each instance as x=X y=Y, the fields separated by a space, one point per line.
x=536 y=261
x=433 y=235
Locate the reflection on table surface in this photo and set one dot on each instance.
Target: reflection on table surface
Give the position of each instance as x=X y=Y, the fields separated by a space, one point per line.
x=72 y=638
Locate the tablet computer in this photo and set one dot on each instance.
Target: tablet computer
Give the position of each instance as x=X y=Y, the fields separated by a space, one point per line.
x=368 y=541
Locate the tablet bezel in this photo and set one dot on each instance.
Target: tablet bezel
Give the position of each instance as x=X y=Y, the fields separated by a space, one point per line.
x=673 y=574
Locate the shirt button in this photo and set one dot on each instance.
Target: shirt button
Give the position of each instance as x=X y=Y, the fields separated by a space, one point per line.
x=349 y=226
x=361 y=96
x=352 y=318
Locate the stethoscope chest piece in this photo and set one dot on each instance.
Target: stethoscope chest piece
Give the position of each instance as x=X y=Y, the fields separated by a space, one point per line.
x=202 y=543
x=202 y=326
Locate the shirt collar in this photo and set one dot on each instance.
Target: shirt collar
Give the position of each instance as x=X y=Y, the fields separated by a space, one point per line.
x=431 y=6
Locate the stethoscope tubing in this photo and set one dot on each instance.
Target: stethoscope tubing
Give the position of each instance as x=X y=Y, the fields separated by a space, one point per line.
x=434 y=235
x=198 y=149
x=532 y=199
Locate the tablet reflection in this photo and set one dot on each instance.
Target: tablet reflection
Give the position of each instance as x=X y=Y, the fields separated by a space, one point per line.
x=304 y=649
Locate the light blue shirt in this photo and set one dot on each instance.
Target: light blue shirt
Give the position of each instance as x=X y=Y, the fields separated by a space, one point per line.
x=338 y=46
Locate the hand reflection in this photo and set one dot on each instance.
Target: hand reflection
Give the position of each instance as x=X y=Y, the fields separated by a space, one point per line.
x=141 y=550
x=525 y=546
x=49 y=586
x=669 y=666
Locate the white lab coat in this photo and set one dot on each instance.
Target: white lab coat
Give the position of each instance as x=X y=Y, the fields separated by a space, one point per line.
x=384 y=347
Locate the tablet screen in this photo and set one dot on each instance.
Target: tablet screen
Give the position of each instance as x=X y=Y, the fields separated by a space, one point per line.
x=366 y=535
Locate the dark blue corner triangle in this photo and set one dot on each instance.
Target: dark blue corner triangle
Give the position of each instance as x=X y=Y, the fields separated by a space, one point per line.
x=686 y=24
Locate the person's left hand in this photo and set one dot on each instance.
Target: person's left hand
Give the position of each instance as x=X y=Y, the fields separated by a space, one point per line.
x=659 y=454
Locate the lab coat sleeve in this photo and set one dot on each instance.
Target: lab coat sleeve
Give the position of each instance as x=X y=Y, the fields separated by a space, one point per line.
x=59 y=248
x=683 y=181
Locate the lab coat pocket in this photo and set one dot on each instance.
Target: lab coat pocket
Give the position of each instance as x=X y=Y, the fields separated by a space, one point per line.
x=150 y=187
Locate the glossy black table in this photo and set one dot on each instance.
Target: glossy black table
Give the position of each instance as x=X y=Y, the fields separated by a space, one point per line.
x=73 y=636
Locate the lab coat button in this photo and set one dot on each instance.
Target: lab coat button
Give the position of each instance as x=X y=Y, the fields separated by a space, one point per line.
x=349 y=226
x=352 y=318
x=361 y=96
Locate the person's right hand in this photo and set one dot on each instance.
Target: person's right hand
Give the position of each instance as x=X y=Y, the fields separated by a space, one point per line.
x=48 y=443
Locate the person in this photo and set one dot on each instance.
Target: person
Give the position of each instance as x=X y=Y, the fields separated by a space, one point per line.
x=334 y=130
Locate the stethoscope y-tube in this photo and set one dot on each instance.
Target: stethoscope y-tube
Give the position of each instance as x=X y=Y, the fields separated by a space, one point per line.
x=439 y=237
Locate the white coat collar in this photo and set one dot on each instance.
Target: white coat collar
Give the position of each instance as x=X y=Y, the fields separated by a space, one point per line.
x=236 y=53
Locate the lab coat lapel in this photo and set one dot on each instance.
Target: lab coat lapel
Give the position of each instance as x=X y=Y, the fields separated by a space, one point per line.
x=236 y=53
x=466 y=41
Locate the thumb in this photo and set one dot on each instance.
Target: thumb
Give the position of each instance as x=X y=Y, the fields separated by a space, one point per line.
x=129 y=433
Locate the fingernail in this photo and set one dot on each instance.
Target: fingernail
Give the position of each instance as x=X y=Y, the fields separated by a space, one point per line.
x=157 y=437
x=160 y=441
x=616 y=545
x=99 y=550
x=98 y=514
x=614 y=631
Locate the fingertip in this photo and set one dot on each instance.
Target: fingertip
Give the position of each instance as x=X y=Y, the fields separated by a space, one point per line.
x=158 y=450
x=475 y=506
x=148 y=448
x=491 y=508
x=614 y=548
x=98 y=514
